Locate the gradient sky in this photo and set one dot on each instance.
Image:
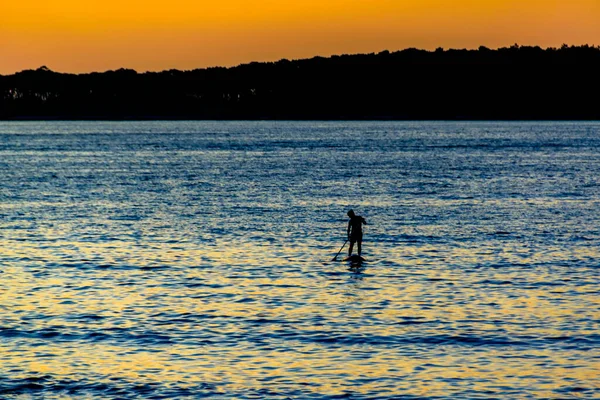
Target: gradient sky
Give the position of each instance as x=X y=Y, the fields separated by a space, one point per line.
x=152 y=35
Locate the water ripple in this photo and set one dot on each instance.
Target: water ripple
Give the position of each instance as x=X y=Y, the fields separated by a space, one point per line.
x=186 y=260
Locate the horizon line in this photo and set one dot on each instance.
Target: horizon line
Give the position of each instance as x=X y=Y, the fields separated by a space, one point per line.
x=515 y=45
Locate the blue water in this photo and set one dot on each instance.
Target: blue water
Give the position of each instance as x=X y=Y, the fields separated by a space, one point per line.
x=154 y=260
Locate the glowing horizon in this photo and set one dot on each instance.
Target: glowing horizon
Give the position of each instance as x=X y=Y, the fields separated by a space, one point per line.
x=153 y=35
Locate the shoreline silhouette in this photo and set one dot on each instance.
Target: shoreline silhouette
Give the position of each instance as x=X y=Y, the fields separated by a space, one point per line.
x=510 y=83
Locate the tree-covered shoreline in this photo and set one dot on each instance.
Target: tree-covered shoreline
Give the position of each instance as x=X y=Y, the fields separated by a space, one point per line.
x=517 y=82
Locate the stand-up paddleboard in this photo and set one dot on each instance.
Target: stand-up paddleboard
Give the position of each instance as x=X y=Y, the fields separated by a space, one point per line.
x=355 y=259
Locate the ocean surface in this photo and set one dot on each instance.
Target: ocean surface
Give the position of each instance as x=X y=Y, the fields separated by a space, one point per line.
x=187 y=260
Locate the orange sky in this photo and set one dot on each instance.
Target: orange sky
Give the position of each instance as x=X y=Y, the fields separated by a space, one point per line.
x=98 y=35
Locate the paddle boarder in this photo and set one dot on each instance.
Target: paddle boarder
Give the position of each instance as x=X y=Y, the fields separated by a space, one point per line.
x=355 y=232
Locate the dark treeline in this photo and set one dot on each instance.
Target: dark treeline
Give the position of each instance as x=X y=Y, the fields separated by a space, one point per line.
x=517 y=82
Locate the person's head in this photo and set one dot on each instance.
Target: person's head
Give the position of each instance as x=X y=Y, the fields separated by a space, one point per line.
x=351 y=213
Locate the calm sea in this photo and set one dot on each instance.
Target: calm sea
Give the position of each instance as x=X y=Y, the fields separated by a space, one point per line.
x=159 y=260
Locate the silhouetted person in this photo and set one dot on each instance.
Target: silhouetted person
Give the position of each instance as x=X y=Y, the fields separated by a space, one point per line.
x=355 y=232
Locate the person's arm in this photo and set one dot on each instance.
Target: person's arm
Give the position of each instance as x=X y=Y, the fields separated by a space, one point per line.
x=364 y=221
x=349 y=226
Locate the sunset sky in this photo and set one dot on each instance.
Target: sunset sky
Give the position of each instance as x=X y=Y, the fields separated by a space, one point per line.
x=152 y=35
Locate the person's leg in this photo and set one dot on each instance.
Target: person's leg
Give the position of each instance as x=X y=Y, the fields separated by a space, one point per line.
x=350 y=248
x=359 y=245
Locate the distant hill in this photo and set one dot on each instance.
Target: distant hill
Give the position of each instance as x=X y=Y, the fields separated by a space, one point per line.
x=517 y=82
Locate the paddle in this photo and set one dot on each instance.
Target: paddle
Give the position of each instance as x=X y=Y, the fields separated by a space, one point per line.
x=336 y=256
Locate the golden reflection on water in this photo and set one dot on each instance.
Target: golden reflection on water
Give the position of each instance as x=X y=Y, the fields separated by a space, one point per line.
x=241 y=368
x=447 y=289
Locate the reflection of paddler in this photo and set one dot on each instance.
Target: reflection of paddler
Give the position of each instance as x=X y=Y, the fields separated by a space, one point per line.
x=355 y=232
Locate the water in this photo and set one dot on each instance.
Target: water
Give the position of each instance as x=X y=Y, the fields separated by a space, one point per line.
x=153 y=260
